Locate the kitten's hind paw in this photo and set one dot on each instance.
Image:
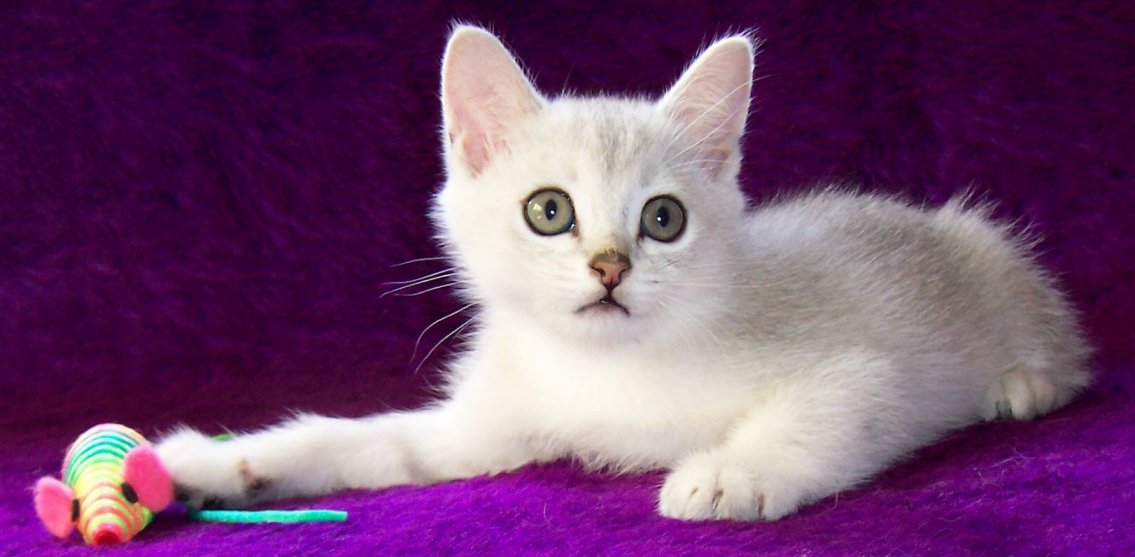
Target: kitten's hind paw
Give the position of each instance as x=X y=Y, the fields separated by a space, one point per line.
x=1020 y=395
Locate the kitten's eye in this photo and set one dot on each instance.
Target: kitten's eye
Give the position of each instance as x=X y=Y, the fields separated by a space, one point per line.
x=549 y=212
x=663 y=219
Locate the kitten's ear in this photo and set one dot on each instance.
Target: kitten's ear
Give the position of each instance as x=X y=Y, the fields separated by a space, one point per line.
x=710 y=102
x=483 y=94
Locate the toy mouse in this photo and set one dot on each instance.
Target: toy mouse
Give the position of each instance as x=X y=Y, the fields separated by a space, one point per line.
x=113 y=483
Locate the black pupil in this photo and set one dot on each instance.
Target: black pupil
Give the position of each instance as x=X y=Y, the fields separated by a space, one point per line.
x=550 y=209
x=662 y=217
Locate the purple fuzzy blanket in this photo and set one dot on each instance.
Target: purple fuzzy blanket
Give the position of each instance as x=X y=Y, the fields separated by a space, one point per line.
x=200 y=202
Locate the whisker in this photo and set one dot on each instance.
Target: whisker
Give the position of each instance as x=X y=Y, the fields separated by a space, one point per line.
x=418 y=341
x=418 y=260
x=418 y=282
x=439 y=343
x=693 y=163
x=428 y=290
x=716 y=285
x=433 y=274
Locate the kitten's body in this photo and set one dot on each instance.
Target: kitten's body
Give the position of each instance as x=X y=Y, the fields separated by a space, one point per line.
x=768 y=358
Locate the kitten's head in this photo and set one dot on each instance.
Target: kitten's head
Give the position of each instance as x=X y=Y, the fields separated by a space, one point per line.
x=605 y=218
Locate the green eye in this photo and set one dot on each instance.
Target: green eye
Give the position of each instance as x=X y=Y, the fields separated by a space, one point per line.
x=663 y=219
x=549 y=212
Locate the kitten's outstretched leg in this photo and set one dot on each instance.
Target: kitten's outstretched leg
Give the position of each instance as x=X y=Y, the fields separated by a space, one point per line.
x=313 y=455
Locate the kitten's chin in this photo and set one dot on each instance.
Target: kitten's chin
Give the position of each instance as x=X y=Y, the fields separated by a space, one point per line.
x=607 y=321
x=602 y=321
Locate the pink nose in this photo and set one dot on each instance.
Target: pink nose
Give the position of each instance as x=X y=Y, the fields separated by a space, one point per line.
x=610 y=265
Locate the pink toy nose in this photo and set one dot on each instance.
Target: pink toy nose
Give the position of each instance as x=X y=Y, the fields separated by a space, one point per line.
x=108 y=534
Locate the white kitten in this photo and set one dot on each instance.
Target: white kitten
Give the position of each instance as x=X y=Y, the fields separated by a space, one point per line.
x=631 y=314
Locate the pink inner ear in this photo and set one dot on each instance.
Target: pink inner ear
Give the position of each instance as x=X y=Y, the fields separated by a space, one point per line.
x=144 y=471
x=53 y=505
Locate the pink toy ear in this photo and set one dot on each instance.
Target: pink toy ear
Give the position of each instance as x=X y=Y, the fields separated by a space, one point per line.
x=144 y=471
x=53 y=504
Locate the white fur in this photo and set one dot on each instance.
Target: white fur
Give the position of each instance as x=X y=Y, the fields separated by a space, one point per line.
x=770 y=357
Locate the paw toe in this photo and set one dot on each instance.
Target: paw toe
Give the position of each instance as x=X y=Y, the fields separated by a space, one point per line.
x=688 y=495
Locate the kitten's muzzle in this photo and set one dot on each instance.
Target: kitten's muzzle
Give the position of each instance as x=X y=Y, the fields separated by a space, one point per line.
x=609 y=266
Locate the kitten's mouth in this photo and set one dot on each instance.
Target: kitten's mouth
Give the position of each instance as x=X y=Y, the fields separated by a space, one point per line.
x=605 y=304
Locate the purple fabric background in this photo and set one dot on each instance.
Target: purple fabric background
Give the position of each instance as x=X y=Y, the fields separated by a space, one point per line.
x=200 y=201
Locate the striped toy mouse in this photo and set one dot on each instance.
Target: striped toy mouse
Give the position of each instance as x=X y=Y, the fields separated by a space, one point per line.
x=113 y=483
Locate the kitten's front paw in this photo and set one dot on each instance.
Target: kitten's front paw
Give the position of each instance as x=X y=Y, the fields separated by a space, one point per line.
x=206 y=473
x=711 y=487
